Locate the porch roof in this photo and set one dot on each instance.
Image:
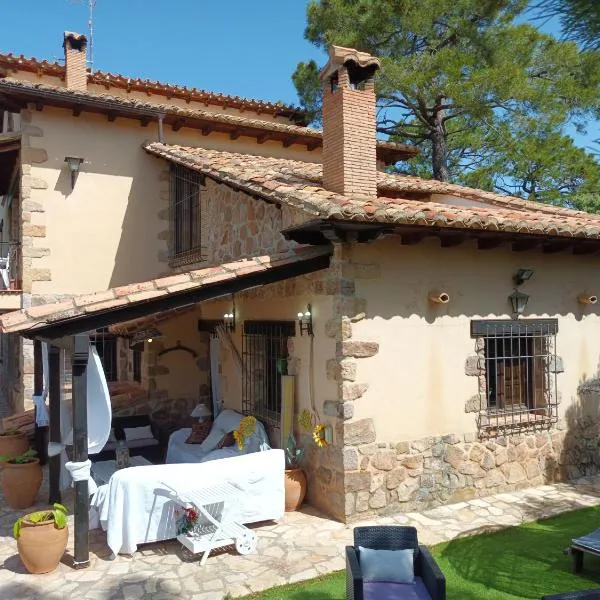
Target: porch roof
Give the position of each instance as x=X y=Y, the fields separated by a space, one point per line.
x=402 y=202
x=124 y=303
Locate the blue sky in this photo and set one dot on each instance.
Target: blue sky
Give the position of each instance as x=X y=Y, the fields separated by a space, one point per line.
x=242 y=47
x=248 y=48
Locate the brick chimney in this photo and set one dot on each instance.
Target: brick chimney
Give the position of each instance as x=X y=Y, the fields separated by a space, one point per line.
x=75 y=45
x=349 y=121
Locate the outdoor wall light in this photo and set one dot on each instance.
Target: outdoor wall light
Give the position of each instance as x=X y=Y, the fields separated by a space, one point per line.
x=587 y=299
x=522 y=275
x=229 y=320
x=305 y=321
x=73 y=162
x=519 y=302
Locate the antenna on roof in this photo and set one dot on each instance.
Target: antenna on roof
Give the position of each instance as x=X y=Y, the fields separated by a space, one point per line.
x=91 y=5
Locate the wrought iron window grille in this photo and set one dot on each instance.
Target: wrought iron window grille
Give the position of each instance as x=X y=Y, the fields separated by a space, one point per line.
x=186 y=187
x=518 y=386
x=264 y=361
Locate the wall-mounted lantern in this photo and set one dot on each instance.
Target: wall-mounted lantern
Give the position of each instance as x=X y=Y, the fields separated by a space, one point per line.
x=305 y=321
x=229 y=320
x=74 y=163
x=518 y=301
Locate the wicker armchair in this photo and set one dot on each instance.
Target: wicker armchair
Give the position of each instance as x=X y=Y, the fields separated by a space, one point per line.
x=392 y=538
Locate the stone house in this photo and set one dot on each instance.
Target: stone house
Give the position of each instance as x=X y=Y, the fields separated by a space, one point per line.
x=449 y=337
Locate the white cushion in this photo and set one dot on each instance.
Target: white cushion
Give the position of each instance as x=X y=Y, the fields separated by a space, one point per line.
x=227 y=420
x=138 y=433
x=211 y=441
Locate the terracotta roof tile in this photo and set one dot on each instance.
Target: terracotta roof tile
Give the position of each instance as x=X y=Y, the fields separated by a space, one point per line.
x=8 y=84
x=297 y=184
x=78 y=306
x=148 y=86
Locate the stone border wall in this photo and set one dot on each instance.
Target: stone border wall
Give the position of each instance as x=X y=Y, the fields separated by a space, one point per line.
x=433 y=471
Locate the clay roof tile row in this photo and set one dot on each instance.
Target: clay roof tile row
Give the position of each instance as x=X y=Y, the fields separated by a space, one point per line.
x=137 y=293
x=56 y=69
x=298 y=184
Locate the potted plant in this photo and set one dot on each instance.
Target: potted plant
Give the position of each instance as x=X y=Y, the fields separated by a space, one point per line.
x=13 y=443
x=295 y=478
x=42 y=538
x=21 y=479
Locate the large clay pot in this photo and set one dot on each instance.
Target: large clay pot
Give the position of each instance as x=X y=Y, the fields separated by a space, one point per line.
x=21 y=483
x=295 y=488
x=13 y=444
x=41 y=545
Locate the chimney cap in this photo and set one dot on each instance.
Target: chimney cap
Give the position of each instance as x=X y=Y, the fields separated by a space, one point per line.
x=75 y=39
x=362 y=62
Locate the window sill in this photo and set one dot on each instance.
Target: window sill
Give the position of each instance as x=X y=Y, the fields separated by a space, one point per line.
x=501 y=420
x=187 y=258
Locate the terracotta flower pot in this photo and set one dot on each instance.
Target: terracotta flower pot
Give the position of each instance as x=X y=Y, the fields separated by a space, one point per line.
x=13 y=444
x=295 y=488
x=21 y=483
x=41 y=545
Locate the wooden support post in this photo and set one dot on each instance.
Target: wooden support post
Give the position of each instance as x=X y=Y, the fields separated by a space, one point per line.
x=54 y=395
x=40 y=433
x=81 y=348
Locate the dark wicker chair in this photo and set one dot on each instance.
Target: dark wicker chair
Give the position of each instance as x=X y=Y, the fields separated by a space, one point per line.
x=392 y=538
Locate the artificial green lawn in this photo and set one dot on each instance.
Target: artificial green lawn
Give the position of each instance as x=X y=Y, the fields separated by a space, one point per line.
x=520 y=562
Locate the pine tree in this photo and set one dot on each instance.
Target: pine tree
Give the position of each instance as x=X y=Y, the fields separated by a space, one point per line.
x=473 y=88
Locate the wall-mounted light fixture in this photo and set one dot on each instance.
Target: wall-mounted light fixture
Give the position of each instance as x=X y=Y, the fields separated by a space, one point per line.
x=587 y=299
x=145 y=335
x=518 y=301
x=438 y=297
x=229 y=320
x=73 y=162
x=305 y=321
x=522 y=275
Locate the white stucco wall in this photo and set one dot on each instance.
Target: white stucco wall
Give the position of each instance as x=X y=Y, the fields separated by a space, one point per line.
x=417 y=381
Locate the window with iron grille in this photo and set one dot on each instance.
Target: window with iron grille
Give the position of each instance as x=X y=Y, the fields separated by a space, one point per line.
x=264 y=361
x=186 y=215
x=517 y=363
x=106 y=345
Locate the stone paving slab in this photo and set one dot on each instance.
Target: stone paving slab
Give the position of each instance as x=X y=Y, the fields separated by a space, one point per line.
x=301 y=546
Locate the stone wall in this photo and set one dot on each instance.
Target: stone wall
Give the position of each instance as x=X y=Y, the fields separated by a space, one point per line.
x=409 y=476
x=235 y=225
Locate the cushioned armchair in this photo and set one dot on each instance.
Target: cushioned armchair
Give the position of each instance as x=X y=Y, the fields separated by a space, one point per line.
x=429 y=581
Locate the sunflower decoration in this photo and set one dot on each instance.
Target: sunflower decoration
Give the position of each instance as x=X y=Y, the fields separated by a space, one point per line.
x=308 y=422
x=246 y=428
x=319 y=435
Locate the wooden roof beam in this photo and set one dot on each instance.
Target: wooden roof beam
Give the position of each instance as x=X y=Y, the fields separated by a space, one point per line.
x=179 y=123
x=525 y=244
x=489 y=243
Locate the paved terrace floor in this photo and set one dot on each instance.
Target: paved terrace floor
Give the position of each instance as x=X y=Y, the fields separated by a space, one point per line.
x=301 y=546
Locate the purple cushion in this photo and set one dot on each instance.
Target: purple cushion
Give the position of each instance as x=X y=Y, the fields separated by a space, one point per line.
x=376 y=590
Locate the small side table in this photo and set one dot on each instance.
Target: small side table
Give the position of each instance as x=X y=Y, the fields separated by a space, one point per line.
x=221 y=529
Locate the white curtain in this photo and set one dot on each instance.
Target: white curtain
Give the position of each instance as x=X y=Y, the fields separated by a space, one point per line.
x=99 y=416
x=215 y=378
